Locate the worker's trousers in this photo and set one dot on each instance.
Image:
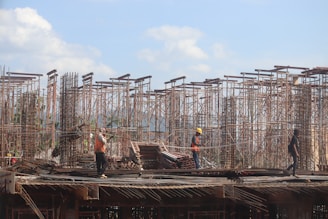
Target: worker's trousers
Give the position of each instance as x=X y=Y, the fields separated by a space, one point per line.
x=294 y=164
x=196 y=159
x=101 y=162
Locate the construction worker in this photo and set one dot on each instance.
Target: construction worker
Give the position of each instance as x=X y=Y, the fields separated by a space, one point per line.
x=293 y=150
x=195 y=144
x=100 y=149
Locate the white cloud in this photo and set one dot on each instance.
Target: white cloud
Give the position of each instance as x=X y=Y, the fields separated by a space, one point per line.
x=179 y=41
x=181 y=54
x=148 y=55
x=30 y=18
x=201 y=68
x=171 y=33
x=189 y=48
x=30 y=44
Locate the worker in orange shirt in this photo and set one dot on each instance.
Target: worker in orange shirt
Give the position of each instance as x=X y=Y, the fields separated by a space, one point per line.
x=100 y=149
x=195 y=144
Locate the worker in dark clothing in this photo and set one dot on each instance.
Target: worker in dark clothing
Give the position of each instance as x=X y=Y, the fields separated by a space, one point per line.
x=293 y=150
x=195 y=144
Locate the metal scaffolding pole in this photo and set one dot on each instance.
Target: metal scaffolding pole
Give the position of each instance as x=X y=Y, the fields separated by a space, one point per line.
x=247 y=120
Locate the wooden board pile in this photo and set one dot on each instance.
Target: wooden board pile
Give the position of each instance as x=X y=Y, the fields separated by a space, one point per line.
x=176 y=160
x=37 y=166
x=149 y=155
x=323 y=167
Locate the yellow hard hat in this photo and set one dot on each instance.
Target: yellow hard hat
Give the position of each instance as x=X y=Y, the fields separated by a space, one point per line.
x=199 y=130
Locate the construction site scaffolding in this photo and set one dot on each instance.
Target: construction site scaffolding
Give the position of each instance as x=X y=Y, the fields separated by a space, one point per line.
x=247 y=119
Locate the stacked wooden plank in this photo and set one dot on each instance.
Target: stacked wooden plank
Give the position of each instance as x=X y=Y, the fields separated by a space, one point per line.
x=323 y=167
x=122 y=163
x=155 y=156
x=37 y=166
x=149 y=156
x=86 y=160
x=176 y=160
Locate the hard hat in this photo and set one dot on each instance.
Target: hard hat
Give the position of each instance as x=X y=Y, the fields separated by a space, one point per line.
x=199 y=130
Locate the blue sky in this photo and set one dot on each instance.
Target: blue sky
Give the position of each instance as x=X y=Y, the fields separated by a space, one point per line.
x=199 y=39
